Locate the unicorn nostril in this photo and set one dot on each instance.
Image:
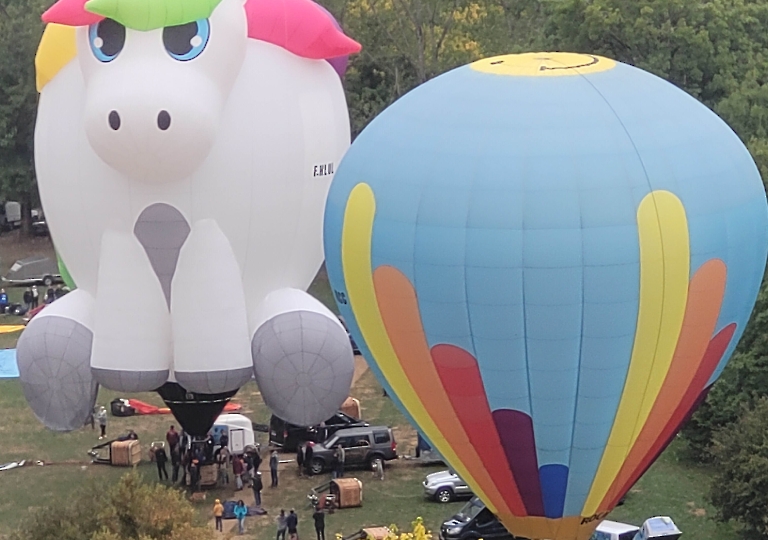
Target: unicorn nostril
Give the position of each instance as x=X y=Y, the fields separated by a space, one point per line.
x=114 y=120
x=163 y=120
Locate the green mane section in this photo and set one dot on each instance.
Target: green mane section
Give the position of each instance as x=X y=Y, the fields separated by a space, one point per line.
x=147 y=15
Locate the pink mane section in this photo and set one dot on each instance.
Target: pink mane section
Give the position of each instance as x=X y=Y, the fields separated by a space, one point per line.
x=299 y=26
x=70 y=13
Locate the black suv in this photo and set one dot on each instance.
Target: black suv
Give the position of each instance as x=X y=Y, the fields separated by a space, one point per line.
x=289 y=436
x=472 y=522
x=362 y=447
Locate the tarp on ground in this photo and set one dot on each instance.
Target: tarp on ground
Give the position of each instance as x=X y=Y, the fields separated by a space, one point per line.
x=8 y=367
x=11 y=328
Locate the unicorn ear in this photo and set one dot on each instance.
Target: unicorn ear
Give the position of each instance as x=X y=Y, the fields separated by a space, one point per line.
x=300 y=26
x=70 y=13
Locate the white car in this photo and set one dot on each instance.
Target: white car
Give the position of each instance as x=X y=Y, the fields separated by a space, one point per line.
x=613 y=530
x=445 y=486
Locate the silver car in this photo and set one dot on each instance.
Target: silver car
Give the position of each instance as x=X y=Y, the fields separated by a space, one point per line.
x=445 y=486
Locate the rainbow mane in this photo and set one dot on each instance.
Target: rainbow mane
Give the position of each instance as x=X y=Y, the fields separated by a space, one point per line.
x=299 y=26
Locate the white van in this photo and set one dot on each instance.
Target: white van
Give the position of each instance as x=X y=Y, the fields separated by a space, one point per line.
x=10 y=215
x=239 y=430
x=613 y=530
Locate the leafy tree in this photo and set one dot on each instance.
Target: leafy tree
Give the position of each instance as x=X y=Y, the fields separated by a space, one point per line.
x=716 y=50
x=739 y=490
x=129 y=510
x=743 y=383
x=407 y=42
x=20 y=32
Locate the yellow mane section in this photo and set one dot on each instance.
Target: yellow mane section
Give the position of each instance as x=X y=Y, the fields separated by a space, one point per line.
x=57 y=48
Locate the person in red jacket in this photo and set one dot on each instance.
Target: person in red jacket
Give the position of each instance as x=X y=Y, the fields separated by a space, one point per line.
x=237 y=470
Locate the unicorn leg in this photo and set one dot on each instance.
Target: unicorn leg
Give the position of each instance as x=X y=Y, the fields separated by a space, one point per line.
x=132 y=330
x=210 y=326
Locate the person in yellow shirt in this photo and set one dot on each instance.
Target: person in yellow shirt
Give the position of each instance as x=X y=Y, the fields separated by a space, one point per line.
x=218 y=512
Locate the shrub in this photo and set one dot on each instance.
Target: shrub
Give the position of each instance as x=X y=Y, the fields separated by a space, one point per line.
x=130 y=510
x=739 y=489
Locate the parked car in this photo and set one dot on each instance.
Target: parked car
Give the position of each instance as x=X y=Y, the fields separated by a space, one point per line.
x=445 y=486
x=363 y=446
x=289 y=436
x=10 y=215
x=658 y=528
x=474 y=521
x=34 y=270
x=40 y=226
x=613 y=530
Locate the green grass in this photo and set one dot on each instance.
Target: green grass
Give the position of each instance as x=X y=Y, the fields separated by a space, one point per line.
x=321 y=289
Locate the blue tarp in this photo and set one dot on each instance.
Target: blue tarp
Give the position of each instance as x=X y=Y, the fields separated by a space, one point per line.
x=8 y=367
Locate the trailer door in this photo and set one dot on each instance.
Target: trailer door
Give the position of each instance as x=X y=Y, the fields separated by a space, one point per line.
x=236 y=440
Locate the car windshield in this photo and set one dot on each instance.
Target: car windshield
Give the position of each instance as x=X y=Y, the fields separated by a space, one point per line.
x=470 y=510
x=331 y=441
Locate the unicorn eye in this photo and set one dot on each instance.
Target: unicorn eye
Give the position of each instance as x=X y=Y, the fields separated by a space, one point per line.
x=106 y=38
x=186 y=41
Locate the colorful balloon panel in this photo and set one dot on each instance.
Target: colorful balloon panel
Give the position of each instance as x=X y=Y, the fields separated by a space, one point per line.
x=548 y=259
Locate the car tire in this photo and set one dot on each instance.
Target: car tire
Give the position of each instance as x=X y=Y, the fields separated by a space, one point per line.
x=317 y=466
x=373 y=459
x=444 y=495
x=48 y=281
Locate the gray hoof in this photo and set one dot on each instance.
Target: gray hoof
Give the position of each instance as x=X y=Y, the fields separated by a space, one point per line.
x=54 y=357
x=304 y=365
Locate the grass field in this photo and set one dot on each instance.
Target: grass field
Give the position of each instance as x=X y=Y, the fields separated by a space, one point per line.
x=670 y=487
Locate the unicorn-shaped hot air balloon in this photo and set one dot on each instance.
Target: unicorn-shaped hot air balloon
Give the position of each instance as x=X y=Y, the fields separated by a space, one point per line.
x=184 y=149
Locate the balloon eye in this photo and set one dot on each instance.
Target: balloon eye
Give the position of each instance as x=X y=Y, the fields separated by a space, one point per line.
x=186 y=41
x=106 y=39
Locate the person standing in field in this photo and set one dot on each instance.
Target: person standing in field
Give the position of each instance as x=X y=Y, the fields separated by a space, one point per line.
x=172 y=437
x=292 y=523
x=308 y=456
x=257 y=485
x=175 y=463
x=101 y=416
x=218 y=513
x=273 y=461
x=237 y=471
x=300 y=459
x=35 y=296
x=281 y=525
x=240 y=512
x=161 y=458
x=28 y=298
x=319 y=517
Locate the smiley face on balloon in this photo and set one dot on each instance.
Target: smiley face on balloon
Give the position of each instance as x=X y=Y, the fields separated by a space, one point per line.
x=548 y=259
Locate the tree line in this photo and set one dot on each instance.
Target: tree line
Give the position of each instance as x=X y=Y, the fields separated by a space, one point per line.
x=716 y=50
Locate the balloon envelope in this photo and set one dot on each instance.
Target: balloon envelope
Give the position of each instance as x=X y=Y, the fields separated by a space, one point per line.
x=549 y=258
